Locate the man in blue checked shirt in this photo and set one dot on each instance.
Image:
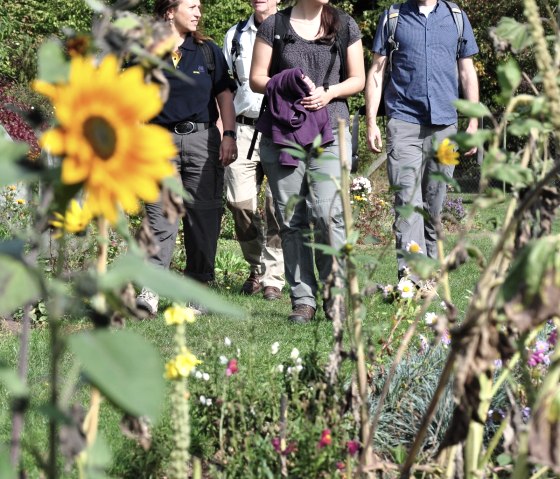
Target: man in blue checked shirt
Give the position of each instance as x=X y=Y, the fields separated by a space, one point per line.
x=427 y=65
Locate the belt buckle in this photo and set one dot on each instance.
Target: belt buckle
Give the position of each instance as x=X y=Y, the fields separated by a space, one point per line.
x=184 y=128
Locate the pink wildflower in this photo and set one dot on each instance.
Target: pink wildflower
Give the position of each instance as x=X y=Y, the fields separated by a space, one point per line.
x=281 y=447
x=353 y=447
x=326 y=439
x=232 y=367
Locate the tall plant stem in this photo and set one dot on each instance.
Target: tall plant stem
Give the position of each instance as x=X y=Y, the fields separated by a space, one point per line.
x=355 y=301
x=17 y=418
x=91 y=421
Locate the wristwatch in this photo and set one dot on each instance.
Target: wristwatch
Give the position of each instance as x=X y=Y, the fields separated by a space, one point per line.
x=231 y=134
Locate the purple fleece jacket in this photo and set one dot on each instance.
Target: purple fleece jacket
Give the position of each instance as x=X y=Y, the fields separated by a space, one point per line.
x=285 y=119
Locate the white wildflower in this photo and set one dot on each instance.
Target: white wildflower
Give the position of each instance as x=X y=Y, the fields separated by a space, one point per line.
x=413 y=247
x=406 y=288
x=227 y=342
x=206 y=376
x=275 y=348
x=280 y=368
x=431 y=318
x=294 y=354
x=223 y=360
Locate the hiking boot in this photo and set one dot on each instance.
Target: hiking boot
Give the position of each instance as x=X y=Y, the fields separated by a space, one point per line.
x=252 y=285
x=271 y=293
x=302 y=314
x=148 y=301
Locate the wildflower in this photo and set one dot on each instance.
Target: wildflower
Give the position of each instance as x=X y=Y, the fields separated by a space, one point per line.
x=424 y=343
x=283 y=448
x=289 y=370
x=541 y=346
x=413 y=247
x=12 y=187
x=446 y=338
x=75 y=219
x=280 y=368
x=526 y=413
x=340 y=466
x=536 y=358
x=205 y=401
x=406 y=288
x=178 y=314
x=227 y=342
x=198 y=374
x=498 y=363
x=232 y=367
x=299 y=368
x=171 y=370
x=387 y=291
x=185 y=362
x=223 y=360
x=406 y=272
x=275 y=348
x=294 y=354
x=205 y=376
x=430 y=318
x=102 y=134
x=326 y=439
x=20 y=201
x=447 y=153
x=353 y=447
x=552 y=338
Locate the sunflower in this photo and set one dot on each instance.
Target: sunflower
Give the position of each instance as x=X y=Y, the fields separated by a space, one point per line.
x=447 y=153
x=102 y=137
x=75 y=220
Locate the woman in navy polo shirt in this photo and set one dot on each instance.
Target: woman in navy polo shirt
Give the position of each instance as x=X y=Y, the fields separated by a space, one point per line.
x=190 y=114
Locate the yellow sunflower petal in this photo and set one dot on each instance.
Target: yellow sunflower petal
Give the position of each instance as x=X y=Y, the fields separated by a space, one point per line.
x=53 y=141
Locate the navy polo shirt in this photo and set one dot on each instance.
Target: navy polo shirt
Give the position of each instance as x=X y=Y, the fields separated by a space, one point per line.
x=424 y=81
x=196 y=102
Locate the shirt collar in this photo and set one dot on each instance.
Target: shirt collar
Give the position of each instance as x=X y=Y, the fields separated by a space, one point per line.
x=188 y=44
x=413 y=4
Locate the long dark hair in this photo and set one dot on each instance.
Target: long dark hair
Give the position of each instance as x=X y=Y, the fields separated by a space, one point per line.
x=162 y=7
x=330 y=23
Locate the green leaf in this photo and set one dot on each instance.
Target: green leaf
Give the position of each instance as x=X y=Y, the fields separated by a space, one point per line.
x=6 y=469
x=503 y=459
x=515 y=33
x=174 y=185
x=295 y=152
x=127 y=23
x=51 y=65
x=512 y=174
x=18 y=285
x=523 y=126
x=10 y=153
x=423 y=266
x=96 y=5
x=438 y=176
x=317 y=141
x=125 y=367
x=509 y=77
x=472 y=110
x=399 y=453
x=131 y=268
x=324 y=248
x=12 y=382
x=318 y=176
x=466 y=141
x=293 y=201
x=97 y=459
x=529 y=268
x=405 y=210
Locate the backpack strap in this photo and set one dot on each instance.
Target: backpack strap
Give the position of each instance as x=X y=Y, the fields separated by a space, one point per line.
x=459 y=23
x=236 y=48
x=281 y=37
x=392 y=20
x=340 y=47
x=208 y=53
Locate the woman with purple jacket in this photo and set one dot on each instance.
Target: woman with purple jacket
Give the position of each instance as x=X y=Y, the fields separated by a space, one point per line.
x=306 y=97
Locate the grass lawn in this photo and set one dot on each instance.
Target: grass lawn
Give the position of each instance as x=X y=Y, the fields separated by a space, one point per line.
x=265 y=322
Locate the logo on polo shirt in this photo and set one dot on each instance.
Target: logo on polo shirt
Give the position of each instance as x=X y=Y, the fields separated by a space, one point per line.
x=201 y=69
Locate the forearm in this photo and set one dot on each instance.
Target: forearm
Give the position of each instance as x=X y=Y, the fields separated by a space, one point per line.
x=374 y=89
x=347 y=88
x=227 y=110
x=469 y=85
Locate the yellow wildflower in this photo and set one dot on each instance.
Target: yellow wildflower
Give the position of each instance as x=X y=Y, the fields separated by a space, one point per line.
x=447 y=153
x=20 y=201
x=177 y=314
x=102 y=136
x=181 y=365
x=12 y=187
x=75 y=219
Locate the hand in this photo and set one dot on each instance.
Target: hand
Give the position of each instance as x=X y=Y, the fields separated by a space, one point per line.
x=375 y=143
x=472 y=128
x=317 y=99
x=228 y=150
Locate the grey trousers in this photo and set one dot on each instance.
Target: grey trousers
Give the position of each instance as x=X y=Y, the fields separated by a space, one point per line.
x=202 y=176
x=260 y=244
x=319 y=205
x=410 y=162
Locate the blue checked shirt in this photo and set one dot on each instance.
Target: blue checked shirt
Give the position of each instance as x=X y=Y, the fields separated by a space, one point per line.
x=424 y=81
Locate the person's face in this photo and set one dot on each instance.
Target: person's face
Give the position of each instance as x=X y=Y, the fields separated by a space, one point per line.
x=264 y=7
x=186 y=16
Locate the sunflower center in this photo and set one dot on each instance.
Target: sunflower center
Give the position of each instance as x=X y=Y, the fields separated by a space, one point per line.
x=101 y=136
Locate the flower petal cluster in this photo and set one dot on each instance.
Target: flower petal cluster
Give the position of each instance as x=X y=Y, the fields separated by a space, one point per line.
x=447 y=153
x=181 y=365
x=326 y=439
x=75 y=220
x=232 y=367
x=178 y=314
x=406 y=288
x=103 y=138
x=413 y=247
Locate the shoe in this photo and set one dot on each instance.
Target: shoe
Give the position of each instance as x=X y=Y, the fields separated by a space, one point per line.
x=302 y=314
x=252 y=285
x=148 y=301
x=272 y=293
x=197 y=308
